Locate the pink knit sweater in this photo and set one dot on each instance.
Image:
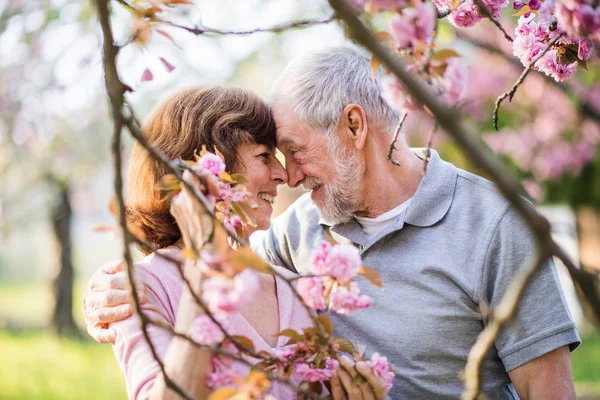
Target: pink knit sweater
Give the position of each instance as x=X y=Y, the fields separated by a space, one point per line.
x=163 y=291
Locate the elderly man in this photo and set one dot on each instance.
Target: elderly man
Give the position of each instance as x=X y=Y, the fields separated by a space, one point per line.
x=445 y=242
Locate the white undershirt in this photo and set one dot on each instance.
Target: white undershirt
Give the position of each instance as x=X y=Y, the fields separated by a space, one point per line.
x=372 y=226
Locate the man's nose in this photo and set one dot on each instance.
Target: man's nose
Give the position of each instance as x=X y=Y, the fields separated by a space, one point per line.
x=295 y=175
x=278 y=173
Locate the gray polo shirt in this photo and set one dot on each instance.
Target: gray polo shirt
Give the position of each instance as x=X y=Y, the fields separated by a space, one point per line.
x=452 y=253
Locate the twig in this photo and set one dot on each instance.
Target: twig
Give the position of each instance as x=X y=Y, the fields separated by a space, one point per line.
x=429 y=143
x=488 y=14
x=393 y=142
x=116 y=91
x=499 y=316
x=521 y=78
x=472 y=147
x=275 y=29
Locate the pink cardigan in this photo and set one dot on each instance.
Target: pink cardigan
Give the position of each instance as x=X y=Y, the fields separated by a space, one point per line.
x=163 y=291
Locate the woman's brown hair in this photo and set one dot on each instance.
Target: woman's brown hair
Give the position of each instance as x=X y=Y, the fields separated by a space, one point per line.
x=214 y=116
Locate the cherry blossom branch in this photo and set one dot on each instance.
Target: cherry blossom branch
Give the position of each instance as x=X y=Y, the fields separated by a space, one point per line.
x=510 y=93
x=116 y=92
x=480 y=155
x=487 y=13
x=393 y=142
x=236 y=357
x=584 y=106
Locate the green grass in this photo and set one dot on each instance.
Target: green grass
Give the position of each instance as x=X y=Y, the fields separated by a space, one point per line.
x=586 y=359
x=41 y=366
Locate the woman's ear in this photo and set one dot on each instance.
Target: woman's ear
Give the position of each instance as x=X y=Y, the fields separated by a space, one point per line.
x=357 y=127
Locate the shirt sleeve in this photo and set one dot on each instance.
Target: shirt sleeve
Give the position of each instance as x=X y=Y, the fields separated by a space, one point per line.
x=542 y=322
x=131 y=349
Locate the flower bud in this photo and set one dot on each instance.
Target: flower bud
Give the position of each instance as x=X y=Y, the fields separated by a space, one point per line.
x=517 y=5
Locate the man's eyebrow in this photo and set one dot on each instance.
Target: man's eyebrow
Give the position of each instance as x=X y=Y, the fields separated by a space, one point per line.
x=285 y=142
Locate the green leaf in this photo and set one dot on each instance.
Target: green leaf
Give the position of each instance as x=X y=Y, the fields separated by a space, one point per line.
x=239 y=178
x=167 y=183
x=292 y=334
x=327 y=324
x=245 y=341
x=240 y=211
x=345 y=345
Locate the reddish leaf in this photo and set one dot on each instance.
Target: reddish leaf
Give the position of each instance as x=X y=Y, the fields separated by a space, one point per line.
x=113 y=206
x=103 y=228
x=371 y=275
x=246 y=342
x=327 y=324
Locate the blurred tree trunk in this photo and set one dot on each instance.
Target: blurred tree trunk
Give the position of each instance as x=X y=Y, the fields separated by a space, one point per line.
x=62 y=317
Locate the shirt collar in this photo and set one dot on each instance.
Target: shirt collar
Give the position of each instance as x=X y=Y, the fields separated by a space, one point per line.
x=429 y=204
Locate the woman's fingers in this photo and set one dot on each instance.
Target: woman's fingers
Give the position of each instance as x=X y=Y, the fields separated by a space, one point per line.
x=377 y=383
x=353 y=391
x=102 y=335
x=107 y=315
x=337 y=390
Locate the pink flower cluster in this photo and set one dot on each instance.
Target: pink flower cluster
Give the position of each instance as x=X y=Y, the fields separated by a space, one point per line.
x=212 y=163
x=580 y=18
x=534 y=33
x=467 y=13
x=340 y=261
x=224 y=295
x=310 y=374
x=205 y=331
x=381 y=367
x=334 y=266
x=413 y=25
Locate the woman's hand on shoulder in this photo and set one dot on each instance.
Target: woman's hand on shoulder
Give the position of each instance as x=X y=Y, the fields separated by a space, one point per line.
x=107 y=300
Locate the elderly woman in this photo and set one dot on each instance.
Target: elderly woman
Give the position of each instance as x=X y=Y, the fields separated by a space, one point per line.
x=240 y=126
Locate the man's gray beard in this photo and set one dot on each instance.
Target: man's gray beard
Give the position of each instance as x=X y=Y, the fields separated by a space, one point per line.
x=340 y=198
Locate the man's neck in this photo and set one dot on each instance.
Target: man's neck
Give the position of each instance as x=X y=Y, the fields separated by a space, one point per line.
x=385 y=185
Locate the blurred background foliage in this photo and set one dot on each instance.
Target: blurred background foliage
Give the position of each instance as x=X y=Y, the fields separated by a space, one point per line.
x=55 y=168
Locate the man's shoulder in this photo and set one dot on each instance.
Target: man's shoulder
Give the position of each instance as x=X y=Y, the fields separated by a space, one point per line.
x=303 y=210
x=477 y=191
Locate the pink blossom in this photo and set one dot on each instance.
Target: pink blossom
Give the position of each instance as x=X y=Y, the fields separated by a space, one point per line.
x=465 y=15
x=454 y=80
x=284 y=353
x=381 y=367
x=414 y=24
x=585 y=48
x=331 y=363
x=221 y=375
x=343 y=262
x=310 y=374
x=319 y=259
x=396 y=96
x=205 y=331
x=345 y=300
x=224 y=295
x=550 y=65
x=533 y=189
x=311 y=291
x=212 y=163
x=579 y=18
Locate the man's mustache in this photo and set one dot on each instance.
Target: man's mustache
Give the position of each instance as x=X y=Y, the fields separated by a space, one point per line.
x=311 y=183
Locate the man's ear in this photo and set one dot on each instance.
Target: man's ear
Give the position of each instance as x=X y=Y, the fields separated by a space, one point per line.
x=356 y=124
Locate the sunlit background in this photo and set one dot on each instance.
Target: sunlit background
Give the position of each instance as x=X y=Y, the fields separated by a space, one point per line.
x=55 y=134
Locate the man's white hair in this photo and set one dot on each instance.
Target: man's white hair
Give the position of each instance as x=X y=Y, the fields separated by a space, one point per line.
x=320 y=84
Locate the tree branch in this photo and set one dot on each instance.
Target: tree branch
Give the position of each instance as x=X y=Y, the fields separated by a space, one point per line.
x=521 y=78
x=487 y=13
